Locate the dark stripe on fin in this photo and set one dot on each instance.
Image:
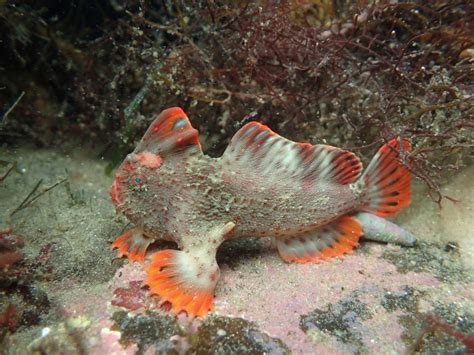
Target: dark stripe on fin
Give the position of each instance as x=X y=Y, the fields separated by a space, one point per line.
x=385 y=184
x=332 y=240
x=256 y=150
x=170 y=133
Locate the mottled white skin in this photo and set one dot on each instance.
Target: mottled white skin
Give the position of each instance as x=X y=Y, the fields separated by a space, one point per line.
x=198 y=202
x=184 y=199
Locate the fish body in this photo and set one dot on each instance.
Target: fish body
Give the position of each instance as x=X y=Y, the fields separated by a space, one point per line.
x=306 y=196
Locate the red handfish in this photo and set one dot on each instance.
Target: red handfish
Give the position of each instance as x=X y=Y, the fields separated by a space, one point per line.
x=308 y=197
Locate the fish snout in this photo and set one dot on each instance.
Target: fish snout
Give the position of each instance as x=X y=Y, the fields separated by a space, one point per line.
x=116 y=192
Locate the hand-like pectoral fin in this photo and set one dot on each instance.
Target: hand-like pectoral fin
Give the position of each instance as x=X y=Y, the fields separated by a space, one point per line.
x=133 y=243
x=187 y=279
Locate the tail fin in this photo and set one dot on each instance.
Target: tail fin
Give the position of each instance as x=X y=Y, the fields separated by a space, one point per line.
x=385 y=185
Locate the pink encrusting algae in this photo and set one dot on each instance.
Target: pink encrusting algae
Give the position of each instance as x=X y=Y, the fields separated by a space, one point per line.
x=308 y=197
x=276 y=296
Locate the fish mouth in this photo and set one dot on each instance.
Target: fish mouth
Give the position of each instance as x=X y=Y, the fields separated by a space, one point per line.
x=115 y=193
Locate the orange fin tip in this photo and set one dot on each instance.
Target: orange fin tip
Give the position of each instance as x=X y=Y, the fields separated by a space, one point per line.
x=133 y=244
x=170 y=133
x=326 y=242
x=385 y=185
x=184 y=281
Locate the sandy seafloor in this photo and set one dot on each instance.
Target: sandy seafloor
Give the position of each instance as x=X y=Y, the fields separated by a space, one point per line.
x=380 y=299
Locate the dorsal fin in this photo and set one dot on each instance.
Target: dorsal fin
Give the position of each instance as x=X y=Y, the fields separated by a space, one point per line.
x=170 y=133
x=257 y=148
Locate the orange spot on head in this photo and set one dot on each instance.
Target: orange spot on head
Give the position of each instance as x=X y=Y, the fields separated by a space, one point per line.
x=125 y=166
x=149 y=159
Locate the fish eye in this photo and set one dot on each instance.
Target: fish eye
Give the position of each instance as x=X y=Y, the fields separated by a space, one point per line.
x=138 y=180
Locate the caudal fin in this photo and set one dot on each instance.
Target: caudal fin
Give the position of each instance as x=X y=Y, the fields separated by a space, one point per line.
x=385 y=185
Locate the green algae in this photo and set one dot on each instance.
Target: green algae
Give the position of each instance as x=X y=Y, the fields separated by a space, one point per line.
x=419 y=333
x=406 y=300
x=425 y=337
x=67 y=337
x=216 y=335
x=424 y=333
x=340 y=320
x=226 y=335
x=441 y=261
x=150 y=328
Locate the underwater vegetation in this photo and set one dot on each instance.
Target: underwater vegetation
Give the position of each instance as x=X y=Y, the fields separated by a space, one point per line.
x=348 y=73
x=352 y=74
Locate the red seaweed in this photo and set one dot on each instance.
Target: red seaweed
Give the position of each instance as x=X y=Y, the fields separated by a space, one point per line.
x=466 y=339
x=7 y=319
x=132 y=298
x=43 y=254
x=9 y=243
x=352 y=73
x=8 y=258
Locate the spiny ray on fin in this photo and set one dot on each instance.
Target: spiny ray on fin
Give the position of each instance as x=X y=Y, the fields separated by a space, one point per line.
x=133 y=244
x=183 y=280
x=385 y=184
x=331 y=240
x=170 y=133
x=256 y=149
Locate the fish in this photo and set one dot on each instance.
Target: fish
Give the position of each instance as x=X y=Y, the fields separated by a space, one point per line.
x=314 y=200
